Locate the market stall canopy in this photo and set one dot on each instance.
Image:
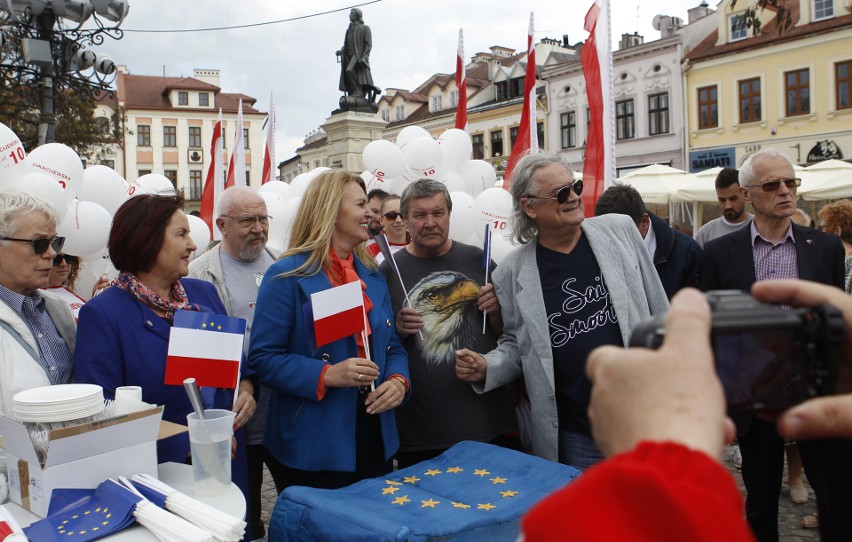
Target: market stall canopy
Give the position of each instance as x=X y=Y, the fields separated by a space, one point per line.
x=655 y=183
x=831 y=179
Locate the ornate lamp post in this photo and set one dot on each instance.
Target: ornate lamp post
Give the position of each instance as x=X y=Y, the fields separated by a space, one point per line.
x=47 y=51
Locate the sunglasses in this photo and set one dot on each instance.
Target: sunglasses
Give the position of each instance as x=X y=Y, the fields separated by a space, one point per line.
x=563 y=193
x=392 y=215
x=40 y=246
x=773 y=186
x=70 y=260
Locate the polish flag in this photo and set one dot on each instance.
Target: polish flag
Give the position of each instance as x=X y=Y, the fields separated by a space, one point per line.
x=214 y=184
x=338 y=312
x=527 y=140
x=461 y=84
x=207 y=347
x=237 y=165
x=269 y=151
x=596 y=58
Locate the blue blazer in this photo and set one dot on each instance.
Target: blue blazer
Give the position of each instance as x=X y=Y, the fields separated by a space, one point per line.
x=302 y=432
x=122 y=342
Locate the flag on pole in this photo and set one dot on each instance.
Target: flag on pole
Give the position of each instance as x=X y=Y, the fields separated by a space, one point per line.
x=461 y=85
x=596 y=58
x=527 y=140
x=269 y=151
x=207 y=347
x=214 y=184
x=338 y=312
x=237 y=165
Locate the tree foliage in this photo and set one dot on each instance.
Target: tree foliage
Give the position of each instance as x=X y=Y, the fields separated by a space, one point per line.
x=783 y=16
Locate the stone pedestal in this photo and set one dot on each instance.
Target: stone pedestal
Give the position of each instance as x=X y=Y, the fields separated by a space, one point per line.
x=347 y=134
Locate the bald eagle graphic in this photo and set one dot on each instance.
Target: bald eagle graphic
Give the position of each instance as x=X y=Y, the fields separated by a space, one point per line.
x=447 y=302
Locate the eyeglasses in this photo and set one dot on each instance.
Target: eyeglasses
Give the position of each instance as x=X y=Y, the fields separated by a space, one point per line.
x=392 y=215
x=561 y=195
x=248 y=221
x=70 y=260
x=40 y=246
x=774 y=185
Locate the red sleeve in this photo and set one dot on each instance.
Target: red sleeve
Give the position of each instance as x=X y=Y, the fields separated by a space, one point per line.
x=658 y=491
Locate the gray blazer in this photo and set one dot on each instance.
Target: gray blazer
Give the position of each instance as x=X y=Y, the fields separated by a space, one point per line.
x=524 y=348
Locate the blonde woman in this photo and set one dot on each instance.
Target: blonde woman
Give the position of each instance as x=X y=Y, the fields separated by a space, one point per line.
x=325 y=427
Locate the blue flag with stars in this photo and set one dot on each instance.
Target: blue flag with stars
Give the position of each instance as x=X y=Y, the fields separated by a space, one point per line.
x=107 y=510
x=471 y=492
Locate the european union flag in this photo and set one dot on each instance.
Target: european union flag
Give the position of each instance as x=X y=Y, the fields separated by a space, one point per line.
x=75 y=516
x=471 y=492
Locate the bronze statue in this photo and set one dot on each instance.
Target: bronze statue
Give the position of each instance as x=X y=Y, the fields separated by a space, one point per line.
x=356 y=80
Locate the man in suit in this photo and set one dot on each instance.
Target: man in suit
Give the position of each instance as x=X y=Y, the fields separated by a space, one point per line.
x=772 y=247
x=572 y=286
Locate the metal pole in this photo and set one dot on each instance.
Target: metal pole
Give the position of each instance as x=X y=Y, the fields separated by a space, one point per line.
x=47 y=115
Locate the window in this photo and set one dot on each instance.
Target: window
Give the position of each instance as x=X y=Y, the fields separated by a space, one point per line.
x=797 y=89
x=708 y=108
x=183 y=98
x=516 y=87
x=143 y=172
x=203 y=99
x=195 y=185
x=436 y=103
x=171 y=174
x=169 y=136
x=738 y=30
x=103 y=125
x=454 y=98
x=143 y=135
x=749 y=100
x=625 y=127
x=502 y=90
x=246 y=138
x=843 y=80
x=823 y=9
x=400 y=112
x=513 y=135
x=195 y=136
x=386 y=115
x=478 y=145
x=539 y=134
x=658 y=113
x=108 y=163
x=497 y=143
x=568 y=127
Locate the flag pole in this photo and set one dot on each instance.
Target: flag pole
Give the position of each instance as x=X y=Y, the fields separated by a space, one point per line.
x=364 y=338
x=487 y=263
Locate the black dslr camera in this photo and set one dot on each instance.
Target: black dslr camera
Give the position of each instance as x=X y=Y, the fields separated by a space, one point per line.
x=768 y=358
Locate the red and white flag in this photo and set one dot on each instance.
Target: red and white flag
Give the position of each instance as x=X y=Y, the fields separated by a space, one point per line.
x=269 y=151
x=461 y=85
x=338 y=312
x=527 y=140
x=214 y=184
x=207 y=347
x=596 y=58
x=237 y=165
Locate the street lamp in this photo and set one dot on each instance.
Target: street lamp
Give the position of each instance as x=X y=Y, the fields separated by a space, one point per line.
x=47 y=51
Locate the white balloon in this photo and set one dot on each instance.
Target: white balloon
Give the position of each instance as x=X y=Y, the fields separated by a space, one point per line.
x=383 y=159
x=317 y=170
x=199 y=232
x=92 y=268
x=461 y=217
x=494 y=207
x=456 y=149
x=480 y=174
x=410 y=133
x=279 y=188
x=455 y=182
x=299 y=184
x=396 y=186
x=12 y=156
x=59 y=162
x=500 y=247
x=276 y=208
x=152 y=183
x=290 y=209
x=423 y=156
x=104 y=186
x=85 y=228
x=44 y=186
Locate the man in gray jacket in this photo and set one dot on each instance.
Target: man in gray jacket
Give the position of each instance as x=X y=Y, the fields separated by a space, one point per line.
x=592 y=281
x=235 y=267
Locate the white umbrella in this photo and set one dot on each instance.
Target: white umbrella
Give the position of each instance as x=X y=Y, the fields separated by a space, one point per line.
x=655 y=183
x=830 y=179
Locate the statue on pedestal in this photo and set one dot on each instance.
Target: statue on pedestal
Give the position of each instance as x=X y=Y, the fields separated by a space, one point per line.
x=356 y=80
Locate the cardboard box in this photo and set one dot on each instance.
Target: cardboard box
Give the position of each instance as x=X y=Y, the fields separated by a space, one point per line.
x=80 y=456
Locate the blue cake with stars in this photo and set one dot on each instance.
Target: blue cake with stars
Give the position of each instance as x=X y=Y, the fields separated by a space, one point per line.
x=471 y=492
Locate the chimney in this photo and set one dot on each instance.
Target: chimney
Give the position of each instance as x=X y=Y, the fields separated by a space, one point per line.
x=698 y=12
x=630 y=40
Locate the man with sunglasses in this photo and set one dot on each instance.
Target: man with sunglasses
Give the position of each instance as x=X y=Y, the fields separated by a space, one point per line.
x=571 y=286
x=236 y=267
x=37 y=330
x=773 y=247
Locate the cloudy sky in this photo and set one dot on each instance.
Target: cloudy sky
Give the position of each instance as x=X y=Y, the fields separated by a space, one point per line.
x=412 y=39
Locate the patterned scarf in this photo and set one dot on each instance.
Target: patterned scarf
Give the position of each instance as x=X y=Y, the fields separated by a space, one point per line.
x=343 y=272
x=177 y=296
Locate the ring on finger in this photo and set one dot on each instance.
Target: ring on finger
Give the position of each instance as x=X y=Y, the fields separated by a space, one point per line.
x=359 y=377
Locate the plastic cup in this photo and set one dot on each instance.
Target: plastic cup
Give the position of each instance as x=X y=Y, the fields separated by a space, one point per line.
x=210 y=443
x=127 y=399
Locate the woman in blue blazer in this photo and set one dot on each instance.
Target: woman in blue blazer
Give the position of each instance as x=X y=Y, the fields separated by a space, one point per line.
x=325 y=427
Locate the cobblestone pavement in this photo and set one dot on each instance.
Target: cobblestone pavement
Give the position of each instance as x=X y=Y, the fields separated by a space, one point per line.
x=789 y=513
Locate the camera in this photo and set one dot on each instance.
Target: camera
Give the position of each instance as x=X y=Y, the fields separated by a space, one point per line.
x=768 y=357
